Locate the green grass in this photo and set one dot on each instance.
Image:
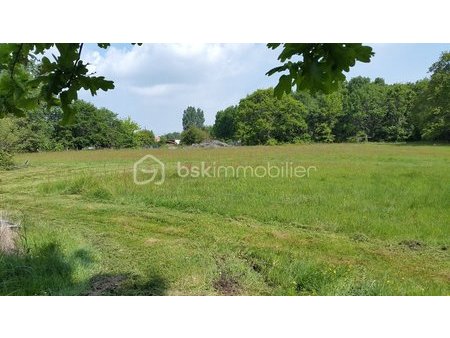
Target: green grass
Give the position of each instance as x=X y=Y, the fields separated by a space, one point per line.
x=373 y=219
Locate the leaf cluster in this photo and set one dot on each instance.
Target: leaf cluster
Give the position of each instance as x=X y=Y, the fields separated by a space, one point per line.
x=55 y=80
x=320 y=67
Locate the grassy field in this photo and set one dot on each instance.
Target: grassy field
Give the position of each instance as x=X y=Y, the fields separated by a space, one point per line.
x=373 y=219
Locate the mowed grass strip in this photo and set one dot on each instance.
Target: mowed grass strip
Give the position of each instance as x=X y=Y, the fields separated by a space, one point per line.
x=372 y=220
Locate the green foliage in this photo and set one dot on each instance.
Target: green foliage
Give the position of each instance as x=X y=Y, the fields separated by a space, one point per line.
x=321 y=67
x=28 y=76
x=174 y=135
x=261 y=116
x=433 y=109
x=271 y=142
x=144 y=138
x=9 y=140
x=41 y=130
x=209 y=130
x=360 y=110
x=323 y=133
x=6 y=160
x=98 y=128
x=358 y=138
x=55 y=81
x=91 y=127
x=194 y=135
x=35 y=132
x=193 y=118
x=15 y=97
x=397 y=120
x=363 y=106
x=323 y=114
x=225 y=126
x=127 y=134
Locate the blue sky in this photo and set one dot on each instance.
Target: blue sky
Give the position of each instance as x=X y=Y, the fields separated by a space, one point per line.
x=156 y=82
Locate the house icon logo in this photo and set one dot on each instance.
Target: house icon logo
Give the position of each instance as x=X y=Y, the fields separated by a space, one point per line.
x=149 y=169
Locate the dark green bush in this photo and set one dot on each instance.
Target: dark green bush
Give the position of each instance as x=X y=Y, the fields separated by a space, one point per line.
x=6 y=160
x=193 y=135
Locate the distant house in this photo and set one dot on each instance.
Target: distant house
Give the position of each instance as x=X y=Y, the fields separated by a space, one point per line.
x=157 y=138
x=174 y=142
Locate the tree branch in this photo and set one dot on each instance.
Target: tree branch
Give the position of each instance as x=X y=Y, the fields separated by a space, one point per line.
x=16 y=59
x=75 y=66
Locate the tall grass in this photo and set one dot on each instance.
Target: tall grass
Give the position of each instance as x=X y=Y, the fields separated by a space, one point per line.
x=372 y=220
x=369 y=191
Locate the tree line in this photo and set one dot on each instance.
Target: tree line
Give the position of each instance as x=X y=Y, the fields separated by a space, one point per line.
x=41 y=130
x=28 y=76
x=359 y=110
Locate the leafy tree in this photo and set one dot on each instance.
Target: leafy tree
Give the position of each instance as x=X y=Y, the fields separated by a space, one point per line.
x=323 y=133
x=35 y=131
x=93 y=127
x=193 y=135
x=127 y=137
x=209 y=130
x=262 y=117
x=397 y=123
x=6 y=160
x=85 y=130
x=55 y=81
x=41 y=130
x=359 y=110
x=9 y=139
x=363 y=103
x=9 y=136
x=144 y=138
x=323 y=112
x=435 y=102
x=27 y=77
x=193 y=118
x=420 y=105
x=321 y=66
x=379 y=81
x=225 y=126
x=172 y=136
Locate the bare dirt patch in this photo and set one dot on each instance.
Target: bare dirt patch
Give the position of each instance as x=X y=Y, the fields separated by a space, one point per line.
x=227 y=285
x=412 y=244
x=105 y=284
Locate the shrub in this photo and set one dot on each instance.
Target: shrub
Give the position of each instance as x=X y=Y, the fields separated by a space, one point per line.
x=271 y=142
x=304 y=139
x=6 y=160
x=193 y=135
x=8 y=142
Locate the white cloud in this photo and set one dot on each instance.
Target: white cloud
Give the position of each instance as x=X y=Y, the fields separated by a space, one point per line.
x=156 y=82
x=156 y=90
x=152 y=64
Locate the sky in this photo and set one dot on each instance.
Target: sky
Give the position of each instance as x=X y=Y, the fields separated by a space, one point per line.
x=155 y=83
